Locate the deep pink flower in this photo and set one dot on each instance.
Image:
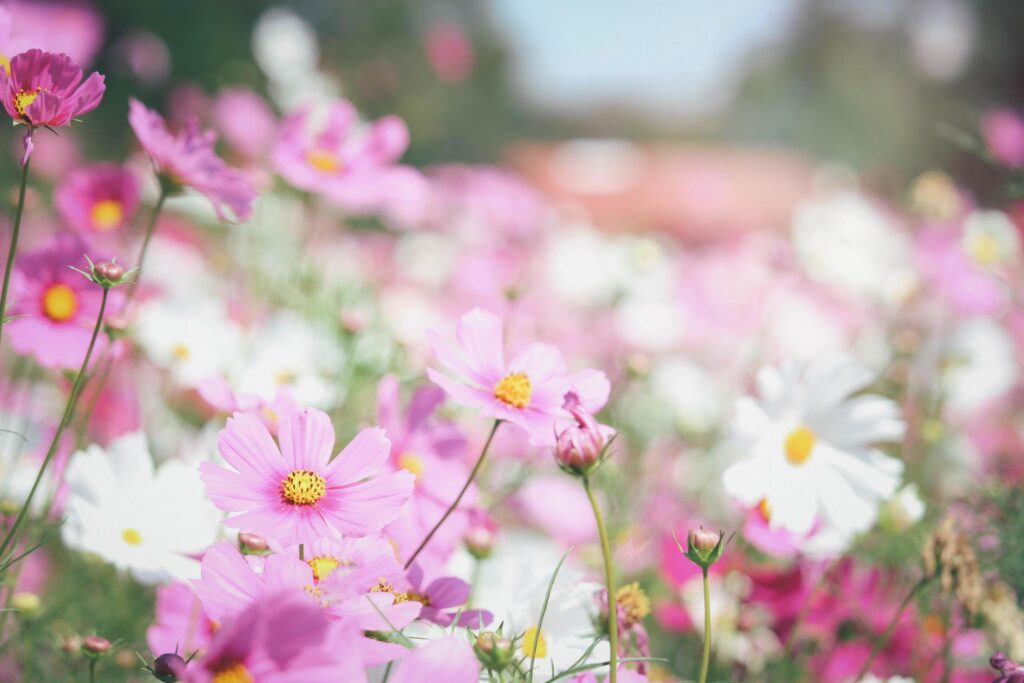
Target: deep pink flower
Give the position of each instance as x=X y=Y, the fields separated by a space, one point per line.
x=295 y=493
x=282 y=639
x=528 y=391
x=357 y=171
x=449 y=659
x=55 y=308
x=188 y=159
x=98 y=198
x=1003 y=131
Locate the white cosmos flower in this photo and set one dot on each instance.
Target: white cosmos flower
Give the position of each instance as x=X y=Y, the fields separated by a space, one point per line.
x=512 y=584
x=980 y=365
x=990 y=238
x=809 y=443
x=193 y=340
x=148 y=522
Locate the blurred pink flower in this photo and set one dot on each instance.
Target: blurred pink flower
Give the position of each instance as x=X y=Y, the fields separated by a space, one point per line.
x=1003 y=131
x=950 y=273
x=246 y=121
x=355 y=169
x=188 y=159
x=98 y=198
x=449 y=659
x=528 y=391
x=280 y=640
x=219 y=395
x=55 y=308
x=449 y=51
x=295 y=493
x=180 y=623
x=73 y=27
x=559 y=507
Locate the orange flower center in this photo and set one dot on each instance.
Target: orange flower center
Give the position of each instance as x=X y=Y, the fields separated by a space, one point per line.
x=799 y=445
x=514 y=390
x=324 y=160
x=303 y=487
x=60 y=303
x=106 y=214
x=233 y=673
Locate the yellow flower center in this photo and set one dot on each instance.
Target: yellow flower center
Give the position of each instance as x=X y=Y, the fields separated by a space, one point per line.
x=132 y=536
x=180 y=351
x=984 y=249
x=60 y=303
x=23 y=99
x=106 y=214
x=323 y=566
x=799 y=444
x=324 y=160
x=634 y=602
x=303 y=487
x=765 y=510
x=384 y=586
x=233 y=673
x=412 y=463
x=534 y=644
x=514 y=390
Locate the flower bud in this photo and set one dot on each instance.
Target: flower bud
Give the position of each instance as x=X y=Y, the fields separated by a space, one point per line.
x=579 y=447
x=481 y=534
x=110 y=271
x=493 y=650
x=703 y=547
x=95 y=645
x=168 y=666
x=252 y=544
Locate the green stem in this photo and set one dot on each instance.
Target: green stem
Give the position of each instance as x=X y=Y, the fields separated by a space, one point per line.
x=150 y=227
x=15 y=231
x=69 y=410
x=609 y=577
x=458 y=498
x=92 y=671
x=705 y=660
x=880 y=643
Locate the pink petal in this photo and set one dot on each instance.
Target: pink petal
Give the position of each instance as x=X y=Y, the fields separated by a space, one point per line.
x=306 y=440
x=363 y=456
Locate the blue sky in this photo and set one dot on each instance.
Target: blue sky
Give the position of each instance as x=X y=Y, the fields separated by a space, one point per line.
x=673 y=57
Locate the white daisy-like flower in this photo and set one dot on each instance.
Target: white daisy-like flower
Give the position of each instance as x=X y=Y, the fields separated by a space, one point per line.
x=152 y=523
x=512 y=583
x=192 y=339
x=990 y=238
x=810 y=444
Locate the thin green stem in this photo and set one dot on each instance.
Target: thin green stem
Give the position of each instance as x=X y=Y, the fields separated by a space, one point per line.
x=92 y=671
x=458 y=498
x=881 y=642
x=609 y=578
x=150 y=227
x=705 y=660
x=69 y=410
x=15 y=231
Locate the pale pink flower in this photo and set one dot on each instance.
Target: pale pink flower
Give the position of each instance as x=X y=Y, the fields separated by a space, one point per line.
x=448 y=659
x=180 y=623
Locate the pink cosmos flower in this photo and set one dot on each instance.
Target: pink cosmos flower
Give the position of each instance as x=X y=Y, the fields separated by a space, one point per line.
x=46 y=89
x=55 y=308
x=219 y=395
x=72 y=27
x=355 y=170
x=1003 y=131
x=283 y=639
x=188 y=159
x=441 y=596
x=98 y=198
x=246 y=121
x=449 y=51
x=180 y=623
x=448 y=659
x=293 y=492
x=528 y=391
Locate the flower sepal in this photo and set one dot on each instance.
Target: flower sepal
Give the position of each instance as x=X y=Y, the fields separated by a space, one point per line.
x=703 y=547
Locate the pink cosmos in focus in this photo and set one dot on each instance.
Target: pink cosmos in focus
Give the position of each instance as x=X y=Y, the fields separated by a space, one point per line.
x=282 y=639
x=449 y=659
x=188 y=159
x=294 y=493
x=528 y=391
x=98 y=198
x=441 y=596
x=55 y=308
x=354 y=168
x=44 y=89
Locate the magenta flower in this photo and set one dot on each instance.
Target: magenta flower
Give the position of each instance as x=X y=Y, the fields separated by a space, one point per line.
x=188 y=159
x=98 y=198
x=295 y=493
x=282 y=639
x=46 y=89
x=528 y=391
x=1003 y=132
x=357 y=171
x=55 y=308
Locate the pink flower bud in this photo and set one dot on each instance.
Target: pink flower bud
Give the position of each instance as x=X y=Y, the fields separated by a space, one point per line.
x=252 y=542
x=481 y=534
x=579 y=447
x=703 y=540
x=96 y=645
x=109 y=271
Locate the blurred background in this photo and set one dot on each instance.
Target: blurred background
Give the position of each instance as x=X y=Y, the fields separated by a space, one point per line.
x=631 y=109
